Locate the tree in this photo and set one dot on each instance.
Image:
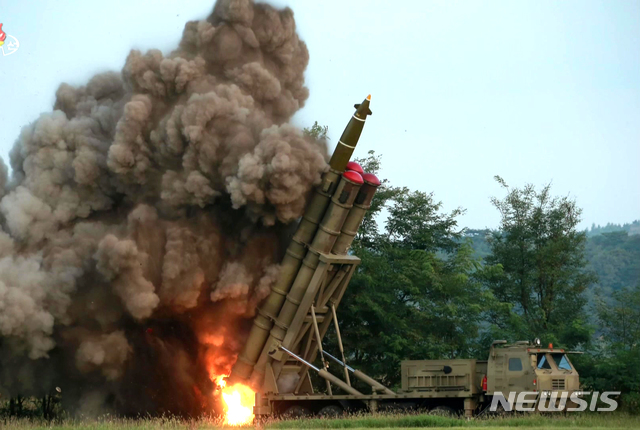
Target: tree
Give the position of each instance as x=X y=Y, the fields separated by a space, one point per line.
x=316 y=131
x=620 y=321
x=613 y=364
x=542 y=276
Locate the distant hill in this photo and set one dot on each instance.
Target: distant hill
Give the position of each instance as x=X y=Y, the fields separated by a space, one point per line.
x=612 y=252
x=615 y=257
x=479 y=242
x=631 y=228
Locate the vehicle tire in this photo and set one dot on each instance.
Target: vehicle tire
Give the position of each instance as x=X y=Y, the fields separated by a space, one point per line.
x=331 y=411
x=297 y=411
x=443 y=411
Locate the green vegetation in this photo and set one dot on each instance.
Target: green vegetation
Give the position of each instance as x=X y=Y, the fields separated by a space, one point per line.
x=613 y=362
x=317 y=131
x=585 y=420
x=582 y=420
x=537 y=269
x=615 y=258
x=612 y=311
x=630 y=228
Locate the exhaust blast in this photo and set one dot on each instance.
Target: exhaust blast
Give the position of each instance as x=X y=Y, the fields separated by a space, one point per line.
x=146 y=215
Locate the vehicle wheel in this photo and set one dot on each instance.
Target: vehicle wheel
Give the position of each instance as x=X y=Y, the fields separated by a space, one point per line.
x=331 y=411
x=297 y=411
x=443 y=411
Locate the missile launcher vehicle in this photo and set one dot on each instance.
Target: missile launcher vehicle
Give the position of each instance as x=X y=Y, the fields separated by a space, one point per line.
x=456 y=385
x=286 y=337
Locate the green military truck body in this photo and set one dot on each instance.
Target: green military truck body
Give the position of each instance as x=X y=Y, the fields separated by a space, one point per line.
x=454 y=386
x=521 y=367
x=525 y=367
x=428 y=376
x=450 y=385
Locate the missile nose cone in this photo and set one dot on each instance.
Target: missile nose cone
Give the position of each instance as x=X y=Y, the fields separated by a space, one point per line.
x=362 y=109
x=350 y=136
x=354 y=177
x=352 y=165
x=371 y=179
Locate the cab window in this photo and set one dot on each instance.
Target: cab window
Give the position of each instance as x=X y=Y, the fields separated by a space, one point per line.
x=515 y=364
x=561 y=361
x=543 y=363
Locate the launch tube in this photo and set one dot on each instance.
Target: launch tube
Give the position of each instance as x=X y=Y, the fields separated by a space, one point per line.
x=357 y=213
x=323 y=241
x=297 y=249
x=289 y=267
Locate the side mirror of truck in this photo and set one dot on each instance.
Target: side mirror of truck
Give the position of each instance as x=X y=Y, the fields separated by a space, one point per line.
x=447 y=370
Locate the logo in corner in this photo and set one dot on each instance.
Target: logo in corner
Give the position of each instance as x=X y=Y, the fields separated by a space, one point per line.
x=8 y=43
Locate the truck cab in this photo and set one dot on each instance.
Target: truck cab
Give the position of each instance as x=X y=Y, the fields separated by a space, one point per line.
x=529 y=367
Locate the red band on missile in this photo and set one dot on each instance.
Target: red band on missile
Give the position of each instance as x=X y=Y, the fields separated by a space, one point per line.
x=371 y=179
x=354 y=177
x=352 y=165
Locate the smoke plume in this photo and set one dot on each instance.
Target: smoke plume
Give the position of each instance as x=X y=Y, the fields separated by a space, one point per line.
x=146 y=214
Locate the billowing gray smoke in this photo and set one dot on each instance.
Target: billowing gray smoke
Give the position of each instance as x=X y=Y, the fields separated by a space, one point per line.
x=146 y=214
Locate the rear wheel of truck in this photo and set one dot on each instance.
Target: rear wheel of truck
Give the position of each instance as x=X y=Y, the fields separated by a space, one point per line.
x=443 y=411
x=331 y=411
x=297 y=411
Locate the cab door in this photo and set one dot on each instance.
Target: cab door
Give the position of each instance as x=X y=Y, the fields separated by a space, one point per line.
x=519 y=374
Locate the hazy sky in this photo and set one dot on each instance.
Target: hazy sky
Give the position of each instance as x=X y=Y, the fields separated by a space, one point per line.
x=534 y=91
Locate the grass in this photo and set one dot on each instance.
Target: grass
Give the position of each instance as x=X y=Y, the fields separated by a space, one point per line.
x=531 y=422
x=594 y=421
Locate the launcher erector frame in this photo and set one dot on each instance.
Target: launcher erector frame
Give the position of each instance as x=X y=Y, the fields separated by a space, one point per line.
x=326 y=289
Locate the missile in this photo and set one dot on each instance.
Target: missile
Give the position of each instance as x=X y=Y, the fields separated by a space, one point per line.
x=350 y=135
x=270 y=309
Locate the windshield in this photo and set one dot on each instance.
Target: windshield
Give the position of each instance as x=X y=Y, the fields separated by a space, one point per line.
x=543 y=363
x=562 y=361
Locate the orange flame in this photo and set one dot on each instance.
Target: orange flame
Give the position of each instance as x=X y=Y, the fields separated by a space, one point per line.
x=219 y=380
x=238 y=402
